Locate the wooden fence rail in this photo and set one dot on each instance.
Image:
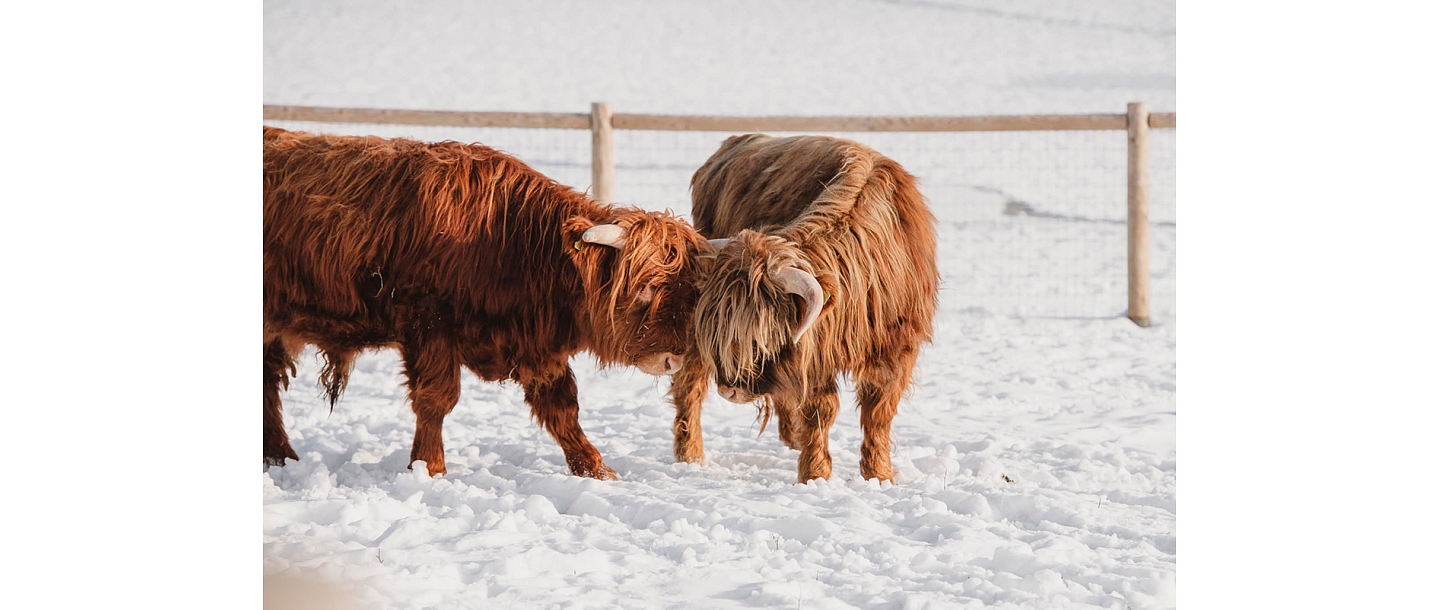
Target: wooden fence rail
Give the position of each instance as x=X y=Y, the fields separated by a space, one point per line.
x=1137 y=121
x=673 y=122
x=450 y=118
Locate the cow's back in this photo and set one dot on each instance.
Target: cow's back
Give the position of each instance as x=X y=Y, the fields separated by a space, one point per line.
x=855 y=214
x=358 y=226
x=756 y=181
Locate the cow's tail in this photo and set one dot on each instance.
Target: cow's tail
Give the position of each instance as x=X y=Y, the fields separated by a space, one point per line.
x=336 y=373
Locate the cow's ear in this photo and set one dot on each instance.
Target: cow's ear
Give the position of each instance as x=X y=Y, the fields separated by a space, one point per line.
x=576 y=226
x=582 y=254
x=585 y=232
x=831 y=287
x=581 y=236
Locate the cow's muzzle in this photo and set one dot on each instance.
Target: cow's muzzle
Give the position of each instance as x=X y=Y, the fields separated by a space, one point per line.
x=664 y=363
x=735 y=395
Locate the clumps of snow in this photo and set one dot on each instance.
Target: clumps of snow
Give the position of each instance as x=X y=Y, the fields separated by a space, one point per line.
x=509 y=526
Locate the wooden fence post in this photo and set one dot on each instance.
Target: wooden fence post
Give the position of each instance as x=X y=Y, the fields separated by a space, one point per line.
x=602 y=153
x=1138 y=218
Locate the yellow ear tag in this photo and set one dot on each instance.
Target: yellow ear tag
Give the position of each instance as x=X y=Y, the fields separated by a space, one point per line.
x=827 y=298
x=577 y=245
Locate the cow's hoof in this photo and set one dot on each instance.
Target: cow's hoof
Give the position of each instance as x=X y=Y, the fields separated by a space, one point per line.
x=434 y=470
x=275 y=455
x=806 y=477
x=884 y=478
x=594 y=470
x=885 y=473
x=602 y=472
x=690 y=456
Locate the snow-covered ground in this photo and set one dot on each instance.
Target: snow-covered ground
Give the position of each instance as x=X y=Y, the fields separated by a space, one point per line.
x=1036 y=455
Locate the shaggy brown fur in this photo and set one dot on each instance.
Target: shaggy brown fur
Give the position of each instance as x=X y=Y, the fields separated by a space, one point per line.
x=460 y=255
x=854 y=219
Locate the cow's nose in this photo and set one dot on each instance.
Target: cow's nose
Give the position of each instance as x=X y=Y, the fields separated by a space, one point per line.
x=726 y=392
x=672 y=364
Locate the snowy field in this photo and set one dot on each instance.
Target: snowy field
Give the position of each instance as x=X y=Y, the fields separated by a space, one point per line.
x=1036 y=456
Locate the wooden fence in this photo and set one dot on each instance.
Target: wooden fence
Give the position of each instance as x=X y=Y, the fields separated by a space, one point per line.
x=1137 y=121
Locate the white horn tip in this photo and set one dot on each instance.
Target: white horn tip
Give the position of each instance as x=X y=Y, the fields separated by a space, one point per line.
x=605 y=235
x=796 y=281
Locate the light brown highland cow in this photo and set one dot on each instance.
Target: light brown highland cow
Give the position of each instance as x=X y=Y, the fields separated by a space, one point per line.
x=826 y=264
x=460 y=255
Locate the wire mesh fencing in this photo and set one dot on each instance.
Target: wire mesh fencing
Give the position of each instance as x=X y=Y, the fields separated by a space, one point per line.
x=1029 y=224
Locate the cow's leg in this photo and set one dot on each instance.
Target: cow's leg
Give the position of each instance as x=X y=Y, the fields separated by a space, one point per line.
x=432 y=371
x=552 y=398
x=688 y=388
x=811 y=425
x=279 y=365
x=878 y=389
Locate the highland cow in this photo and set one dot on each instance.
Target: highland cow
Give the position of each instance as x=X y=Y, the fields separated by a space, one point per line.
x=460 y=255
x=825 y=264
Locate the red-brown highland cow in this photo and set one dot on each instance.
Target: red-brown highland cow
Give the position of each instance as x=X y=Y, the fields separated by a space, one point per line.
x=826 y=265
x=460 y=255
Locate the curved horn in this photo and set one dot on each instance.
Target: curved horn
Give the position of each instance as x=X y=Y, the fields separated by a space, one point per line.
x=795 y=281
x=718 y=243
x=605 y=235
